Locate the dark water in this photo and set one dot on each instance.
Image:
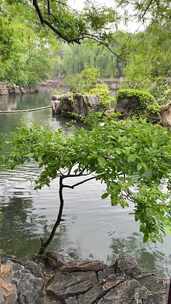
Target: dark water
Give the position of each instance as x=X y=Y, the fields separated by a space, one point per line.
x=90 y=227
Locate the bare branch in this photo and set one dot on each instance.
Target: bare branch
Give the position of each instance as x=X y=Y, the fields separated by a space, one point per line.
x=45 y=244
x=100 y=40
x=146 y=9
x=79 y=183
x=74 y=175
x=35 y=4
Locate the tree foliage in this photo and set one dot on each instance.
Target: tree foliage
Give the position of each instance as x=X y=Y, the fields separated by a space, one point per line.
x=26 y=54
x=73 y=26
x=131 y=157
x=153 y=10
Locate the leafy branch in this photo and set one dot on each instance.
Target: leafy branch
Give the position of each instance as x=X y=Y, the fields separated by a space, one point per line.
x=132 y=158
x=74 y=27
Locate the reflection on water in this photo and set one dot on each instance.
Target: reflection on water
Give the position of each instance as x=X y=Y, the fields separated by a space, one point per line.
x=90 y=227
x=22 y=102
x=148 y=257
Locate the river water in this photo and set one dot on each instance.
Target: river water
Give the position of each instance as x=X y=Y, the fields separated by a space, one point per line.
x=91 y=227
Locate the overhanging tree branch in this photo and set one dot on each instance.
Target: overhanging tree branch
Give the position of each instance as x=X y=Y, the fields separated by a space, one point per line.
x=35 y=4
x=80 y=183
x=46 y=22
x=78 y=38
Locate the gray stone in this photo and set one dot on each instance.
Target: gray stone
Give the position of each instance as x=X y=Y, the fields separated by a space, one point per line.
x=92 y=295
x=127 y=106
x=165 y=115
x=123 y=293
x=127 y=265
x=71 y=301
x=2 y=300
x=34 y=268
x=54 y=260
x=83 y=266
x=71 y=284
x=29 y=287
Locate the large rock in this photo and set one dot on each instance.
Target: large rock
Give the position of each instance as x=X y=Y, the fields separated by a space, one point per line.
x=19 y=285
x=127 y=265
x=127 y=106
x=78 y=104
x=133 y=102
x=13 y=90
x=3 y=89
x=165 y=115
x=65 y=285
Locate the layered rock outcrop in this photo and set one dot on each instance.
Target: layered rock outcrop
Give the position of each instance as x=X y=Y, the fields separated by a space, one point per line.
x=54 y=280
x=78 y=104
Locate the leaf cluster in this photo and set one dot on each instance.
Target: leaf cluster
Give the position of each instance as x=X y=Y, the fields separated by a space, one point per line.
x=102 y=91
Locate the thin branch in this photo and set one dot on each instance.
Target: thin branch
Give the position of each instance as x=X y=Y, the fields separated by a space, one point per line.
x=100 y=40
x=69 y=171
x=146 y=9
x=48 y=7
x=82 y=172
x=74 y=175
x=79 y=183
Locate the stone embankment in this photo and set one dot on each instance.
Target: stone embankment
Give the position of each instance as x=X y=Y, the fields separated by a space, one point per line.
x=12 y=89
x=9 y=89
x=55 y=280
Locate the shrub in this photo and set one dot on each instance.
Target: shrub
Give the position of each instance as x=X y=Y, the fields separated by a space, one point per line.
x=103 y=92
x=143 y=98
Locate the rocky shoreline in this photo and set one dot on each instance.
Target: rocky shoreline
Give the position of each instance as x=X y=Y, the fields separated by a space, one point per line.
x=54 y=279
x=9 y=89
x=12 y=89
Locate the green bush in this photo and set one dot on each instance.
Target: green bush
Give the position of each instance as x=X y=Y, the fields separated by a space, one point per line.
x=160 y=89
x=103 y=92
x=143 y=97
